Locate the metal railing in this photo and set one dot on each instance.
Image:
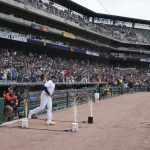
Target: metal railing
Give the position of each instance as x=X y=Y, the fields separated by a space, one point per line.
x=116 y=91
x=1 y=110
x=64 y=98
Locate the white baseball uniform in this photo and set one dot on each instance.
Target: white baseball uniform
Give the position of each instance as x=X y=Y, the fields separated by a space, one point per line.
x=46 y=100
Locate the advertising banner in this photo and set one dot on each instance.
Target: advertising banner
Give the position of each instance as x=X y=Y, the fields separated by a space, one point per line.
x=69 y=35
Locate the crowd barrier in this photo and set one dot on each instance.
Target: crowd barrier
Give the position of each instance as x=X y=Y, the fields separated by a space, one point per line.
x=116 y=91
x=65 y=98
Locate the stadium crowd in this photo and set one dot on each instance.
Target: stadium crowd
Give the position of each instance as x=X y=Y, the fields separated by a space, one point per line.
x=19 y=66
x=122 y=33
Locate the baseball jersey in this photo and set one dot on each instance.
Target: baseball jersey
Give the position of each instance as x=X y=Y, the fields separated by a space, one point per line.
x=50 y=86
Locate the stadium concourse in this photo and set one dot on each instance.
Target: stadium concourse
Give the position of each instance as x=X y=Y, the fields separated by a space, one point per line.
x=120 y=123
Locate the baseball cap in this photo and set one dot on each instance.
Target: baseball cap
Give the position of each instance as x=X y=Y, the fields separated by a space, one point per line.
x=10 y=88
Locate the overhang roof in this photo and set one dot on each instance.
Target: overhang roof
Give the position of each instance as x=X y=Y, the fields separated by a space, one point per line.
x=87 y=12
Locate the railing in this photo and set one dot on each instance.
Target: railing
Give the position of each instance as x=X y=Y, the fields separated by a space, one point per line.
x=14 y=83
x=1 y=110
x=116 y=91
x=65 y=98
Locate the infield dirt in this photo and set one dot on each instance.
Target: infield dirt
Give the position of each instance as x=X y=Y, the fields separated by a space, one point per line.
x=120 y=123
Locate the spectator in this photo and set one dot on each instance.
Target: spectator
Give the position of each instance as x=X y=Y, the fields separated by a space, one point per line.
x=11 y=103
x=14 y=74
x=68 y=75
x=4 y=77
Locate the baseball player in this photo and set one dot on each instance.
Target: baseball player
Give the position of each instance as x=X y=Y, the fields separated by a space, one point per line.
x=46 y=100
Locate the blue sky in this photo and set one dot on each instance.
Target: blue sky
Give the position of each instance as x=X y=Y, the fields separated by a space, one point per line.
x=129 y=8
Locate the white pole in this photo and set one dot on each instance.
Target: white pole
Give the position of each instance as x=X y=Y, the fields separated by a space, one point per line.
x=75 y=112
x=91 y=107
x=26 y=109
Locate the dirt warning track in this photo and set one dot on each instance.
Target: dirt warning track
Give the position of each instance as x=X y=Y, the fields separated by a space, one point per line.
x=120 y=123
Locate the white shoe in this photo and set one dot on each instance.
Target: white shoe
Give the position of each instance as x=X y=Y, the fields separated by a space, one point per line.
x=29 y=116
x=50 y=122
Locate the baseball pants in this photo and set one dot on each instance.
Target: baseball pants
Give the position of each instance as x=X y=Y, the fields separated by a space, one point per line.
x=45 y=101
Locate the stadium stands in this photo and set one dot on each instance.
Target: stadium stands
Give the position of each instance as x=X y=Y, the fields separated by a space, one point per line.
x=21 y=66
x=24 y=67
x=121 y=33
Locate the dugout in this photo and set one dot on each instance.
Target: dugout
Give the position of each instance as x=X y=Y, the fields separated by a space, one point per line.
x=63 y=96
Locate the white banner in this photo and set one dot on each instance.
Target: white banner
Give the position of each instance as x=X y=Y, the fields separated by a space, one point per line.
x=88 y=52
x=145 y=60
x=95 y=54
x=13 y=36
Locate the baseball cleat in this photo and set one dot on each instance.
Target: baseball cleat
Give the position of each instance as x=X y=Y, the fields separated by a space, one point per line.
x=50 y=122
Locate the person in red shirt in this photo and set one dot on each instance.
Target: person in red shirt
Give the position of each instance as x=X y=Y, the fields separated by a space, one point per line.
x=11 y=102
x=68 y=75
